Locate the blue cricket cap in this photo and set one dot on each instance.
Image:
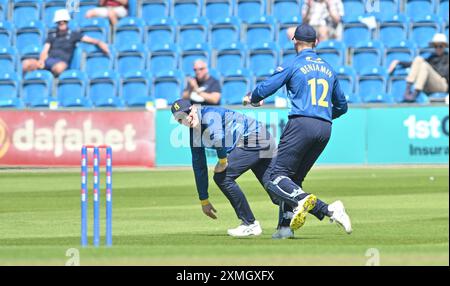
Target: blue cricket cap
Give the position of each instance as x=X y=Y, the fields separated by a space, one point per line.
x=181 y=105
x=305 y=33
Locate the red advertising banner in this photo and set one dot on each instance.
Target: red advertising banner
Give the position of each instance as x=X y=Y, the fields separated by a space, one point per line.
x=54 y=138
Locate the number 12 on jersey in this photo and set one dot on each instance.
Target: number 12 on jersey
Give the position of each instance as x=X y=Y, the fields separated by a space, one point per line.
x=313 y=85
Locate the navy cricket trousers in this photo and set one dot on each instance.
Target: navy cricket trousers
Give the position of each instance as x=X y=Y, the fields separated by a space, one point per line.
x=240 y=160
x=302 y=142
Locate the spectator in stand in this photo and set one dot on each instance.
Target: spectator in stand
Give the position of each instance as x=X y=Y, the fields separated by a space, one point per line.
x=57 y=52
x=325 y=16
x=112 y=9
x=203 y=89
x=429 y=75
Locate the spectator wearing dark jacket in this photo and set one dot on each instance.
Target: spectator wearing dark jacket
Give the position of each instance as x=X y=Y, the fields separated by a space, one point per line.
x=429 y=75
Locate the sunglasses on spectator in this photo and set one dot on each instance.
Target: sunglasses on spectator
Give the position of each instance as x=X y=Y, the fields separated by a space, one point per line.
x=439 y=46
x=199 y=69
x=62 y=22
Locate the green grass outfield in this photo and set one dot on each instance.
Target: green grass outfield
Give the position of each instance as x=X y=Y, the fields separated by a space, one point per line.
x=402 y=212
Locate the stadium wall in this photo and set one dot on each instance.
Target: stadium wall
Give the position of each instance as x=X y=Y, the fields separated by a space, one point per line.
x=366 y=135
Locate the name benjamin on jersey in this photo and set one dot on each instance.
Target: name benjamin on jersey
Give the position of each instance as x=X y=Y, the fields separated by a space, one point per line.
x=316 y=67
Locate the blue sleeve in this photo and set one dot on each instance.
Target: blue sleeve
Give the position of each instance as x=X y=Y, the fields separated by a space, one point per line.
x=269 y=86
x=338 y=100
x=200 y=171
x=217 y=135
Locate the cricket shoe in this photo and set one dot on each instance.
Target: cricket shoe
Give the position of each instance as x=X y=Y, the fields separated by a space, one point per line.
x=246 y=230
x=300 y=212
x=283 y=232
x=340 y=216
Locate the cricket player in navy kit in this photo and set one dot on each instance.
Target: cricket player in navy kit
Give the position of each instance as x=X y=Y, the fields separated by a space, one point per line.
x=241 y=143
x=317 y=99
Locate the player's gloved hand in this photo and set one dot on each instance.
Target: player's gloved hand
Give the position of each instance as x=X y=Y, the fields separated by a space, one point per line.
x=247 y=100
x=221 y=165
x=208 y=209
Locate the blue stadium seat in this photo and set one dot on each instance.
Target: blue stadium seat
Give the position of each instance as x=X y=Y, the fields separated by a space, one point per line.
x=37 y=88
x=6 y=33
x=163 y=59
x=396 y=87
x=131 y=57
x=97 y=28
x=77 y=56
x=103 y=89
x=283 y=41
x=98 y=61
x=133 y=8
x=218 y=9
x=438 y=96
x=9 y=90
x=384 y=8
x=287 y=55
x=355 y=6
x=260 y=30
x=263 y=60
x=423 y=29
x=372 y=85
x=215 y=74
x=84 y=6
x=248 y=10
x=71 y=89
x=367 y=52
x=235 y=87
x=32 y=33
x=25 y=11
x=354 y=31
x=231 y=58
x=403 y=51
x=286 y=10
x=347 y=79
x=136 y=86
x=30 y=52
x=418 y=9
x=188 y=57
x=425 y=52
x=49 y=7
x=225 y=32
x=443 y=9
x=168 y=86
x=4 y=10
x=8 y=59
x=129 y=30
x=160 y=32
x=393 y=28
x=192 y=33
x=332 y=51
x=185 y=10
x=153 y=10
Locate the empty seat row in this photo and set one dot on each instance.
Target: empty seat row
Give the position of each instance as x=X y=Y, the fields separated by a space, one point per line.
x=75 y=88
x=374 y=85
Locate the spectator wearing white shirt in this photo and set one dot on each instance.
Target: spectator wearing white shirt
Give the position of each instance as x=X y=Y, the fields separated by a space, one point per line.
x=325 y=16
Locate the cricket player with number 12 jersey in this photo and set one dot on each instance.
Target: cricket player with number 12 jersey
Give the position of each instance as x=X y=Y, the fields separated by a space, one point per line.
x=316 y=99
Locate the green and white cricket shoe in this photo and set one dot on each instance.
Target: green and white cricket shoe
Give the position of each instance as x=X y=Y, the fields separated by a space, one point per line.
x=283 y=233
x=246 y=230
x=300 y=212
x=340 y=216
